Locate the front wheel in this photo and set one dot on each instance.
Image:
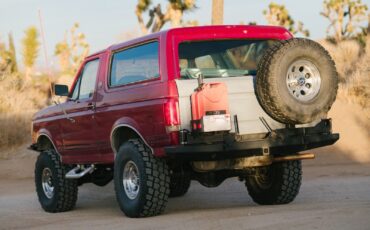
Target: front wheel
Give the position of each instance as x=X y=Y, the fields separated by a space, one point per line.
x=141 y=181
x=278 y=183
x=55 y=192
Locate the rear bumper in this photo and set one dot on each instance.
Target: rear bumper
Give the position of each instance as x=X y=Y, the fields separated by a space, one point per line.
x=282 y=142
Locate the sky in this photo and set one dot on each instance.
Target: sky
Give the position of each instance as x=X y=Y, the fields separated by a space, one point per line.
x=110 y=21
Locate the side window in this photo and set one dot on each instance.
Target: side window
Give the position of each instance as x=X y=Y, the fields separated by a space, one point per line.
x=135 y=64
x=85 y=85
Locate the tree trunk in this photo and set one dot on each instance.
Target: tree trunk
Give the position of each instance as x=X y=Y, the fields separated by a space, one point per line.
x=217 y=12
x=339 y=26
x=28 y=75
x=368 y=25
x=140 y=19
x=175 y=17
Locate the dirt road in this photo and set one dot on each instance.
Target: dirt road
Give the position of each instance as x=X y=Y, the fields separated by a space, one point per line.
x=332 y=197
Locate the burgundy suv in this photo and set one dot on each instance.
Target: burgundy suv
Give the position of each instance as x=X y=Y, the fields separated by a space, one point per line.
x=200 y=103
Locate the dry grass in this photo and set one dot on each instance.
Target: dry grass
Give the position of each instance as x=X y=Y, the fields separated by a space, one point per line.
x=353 y=65
x=18 y=102
x=345 y=54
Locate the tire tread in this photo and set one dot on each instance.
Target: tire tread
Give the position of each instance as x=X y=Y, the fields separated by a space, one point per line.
x=286 y=186
x=157 y=182
x=268 y=95
x=68 y=188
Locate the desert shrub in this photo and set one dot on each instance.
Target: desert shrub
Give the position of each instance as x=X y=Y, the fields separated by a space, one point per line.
x=18 y=103
x=358 y=85
x=353 y=64
x=345 y=54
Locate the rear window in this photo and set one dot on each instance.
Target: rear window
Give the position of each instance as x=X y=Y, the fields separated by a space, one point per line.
x=225 y=58
x=135 y=64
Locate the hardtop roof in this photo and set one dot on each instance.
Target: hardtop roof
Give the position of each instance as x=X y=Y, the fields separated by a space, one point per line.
x=217 y=31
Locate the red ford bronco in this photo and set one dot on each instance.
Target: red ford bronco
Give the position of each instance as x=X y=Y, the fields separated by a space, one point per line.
x=201 y=103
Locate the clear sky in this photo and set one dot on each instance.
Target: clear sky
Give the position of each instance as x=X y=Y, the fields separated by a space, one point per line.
x=105 y=22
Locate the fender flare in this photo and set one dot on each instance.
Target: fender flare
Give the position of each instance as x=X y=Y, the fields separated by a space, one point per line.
x=128 y=123
x=47 y=135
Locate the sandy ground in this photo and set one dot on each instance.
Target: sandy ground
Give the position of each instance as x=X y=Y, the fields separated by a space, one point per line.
x=335 y=194
x=331 y=197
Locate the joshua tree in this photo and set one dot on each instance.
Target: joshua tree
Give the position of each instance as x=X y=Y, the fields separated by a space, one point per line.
x=12 y=55
x=173 y=14
x=278 y=15
x=345 y=18
x=368 y=25
x=71 y=53
x=4 y=60
x=30 y=48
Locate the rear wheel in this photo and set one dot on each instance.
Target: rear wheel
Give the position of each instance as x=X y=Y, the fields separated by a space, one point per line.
x=141 y=181
x=179 y=184
x=54 y=191
x=278 y=183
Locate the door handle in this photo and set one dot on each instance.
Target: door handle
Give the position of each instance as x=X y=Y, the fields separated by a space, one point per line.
x=91 y=106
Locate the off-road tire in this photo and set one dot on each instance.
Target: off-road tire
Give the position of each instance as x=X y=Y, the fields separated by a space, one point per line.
x=280 y=187
x=179 y=185
x=271 y=86
x=65 y=193
x=154 y=178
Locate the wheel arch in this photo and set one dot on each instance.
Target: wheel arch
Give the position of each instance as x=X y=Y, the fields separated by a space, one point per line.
x=122 y=133
x=44 y=142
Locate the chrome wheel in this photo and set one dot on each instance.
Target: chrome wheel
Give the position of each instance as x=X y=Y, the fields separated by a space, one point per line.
x=47 y=183
x=131 y=180
x=303 y=80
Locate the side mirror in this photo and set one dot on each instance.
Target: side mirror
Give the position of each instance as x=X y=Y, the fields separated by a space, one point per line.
x=61 y=90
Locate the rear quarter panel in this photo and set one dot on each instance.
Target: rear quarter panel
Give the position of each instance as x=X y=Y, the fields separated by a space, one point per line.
x=138 y=105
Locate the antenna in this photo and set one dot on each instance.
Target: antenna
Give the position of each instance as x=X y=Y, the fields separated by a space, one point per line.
x=48 y=69
x=45 y=53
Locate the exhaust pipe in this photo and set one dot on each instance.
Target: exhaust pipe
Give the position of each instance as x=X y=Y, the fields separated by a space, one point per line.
x=303 y=156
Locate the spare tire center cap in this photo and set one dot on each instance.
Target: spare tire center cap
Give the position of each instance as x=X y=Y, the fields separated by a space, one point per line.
x=301 y=81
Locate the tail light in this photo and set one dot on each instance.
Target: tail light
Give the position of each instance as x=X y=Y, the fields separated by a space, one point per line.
x=172 y=120
x=171 y=113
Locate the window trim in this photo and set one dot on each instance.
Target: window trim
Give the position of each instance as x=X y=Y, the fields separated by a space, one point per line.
x=78 y=84
x=110 y=86
x=80 y=73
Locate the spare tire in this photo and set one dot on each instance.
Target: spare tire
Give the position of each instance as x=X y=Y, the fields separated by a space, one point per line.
x=296 y=81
